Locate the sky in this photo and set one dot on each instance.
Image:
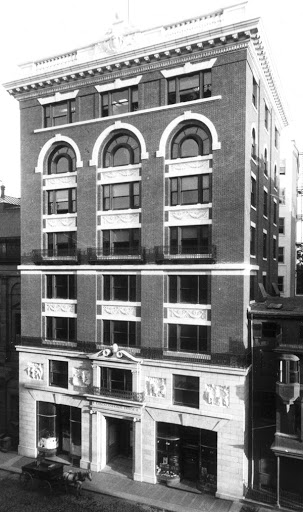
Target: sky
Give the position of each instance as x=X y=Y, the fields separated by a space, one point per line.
x=35 y=29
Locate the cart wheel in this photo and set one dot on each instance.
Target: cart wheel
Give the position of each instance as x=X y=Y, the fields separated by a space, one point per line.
x=46 y=486
x=26 y=480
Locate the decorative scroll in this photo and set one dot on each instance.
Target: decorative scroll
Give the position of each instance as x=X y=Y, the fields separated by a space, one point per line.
x=35 y=371
x=128 y=218
x=195 y=314
x=115 y=352
x=156 y=387
x=189 y=214
x=67 y=222
x=119 y=310
x=82 y=377
x=216 y=395
x=59 y=308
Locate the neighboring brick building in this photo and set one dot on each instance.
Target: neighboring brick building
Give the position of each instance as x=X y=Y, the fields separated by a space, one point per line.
x=10 y=315
x=148 y=224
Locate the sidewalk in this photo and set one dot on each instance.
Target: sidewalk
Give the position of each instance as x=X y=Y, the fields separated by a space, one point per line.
x=153 y=495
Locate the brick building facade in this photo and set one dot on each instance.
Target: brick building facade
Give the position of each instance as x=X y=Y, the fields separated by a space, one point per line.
x=149 y=166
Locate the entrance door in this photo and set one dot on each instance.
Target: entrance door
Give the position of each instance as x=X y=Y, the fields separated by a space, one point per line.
x=119 y=434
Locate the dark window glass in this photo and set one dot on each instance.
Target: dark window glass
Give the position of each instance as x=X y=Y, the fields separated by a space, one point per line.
x=119 y=102
x=115 y=379
x=264 y=245
x=58 y=374
x=189 y=87
x=281 y=255
x=62 y=160
x=121 y=196
x=122 y=149
x=265 y=204
x=119 y=287
x=255 y=93
x=121 y=241
x=253 y=192
x=253 y=144
x=190 y=239
x=190 y=190
x=62 y=201
x=189 y=289
x=120 y=332
x=61 y=286
x=190 y=141
x=281 y=225
x=61 y=328
x=252 y=240
x=186 y=391
x=188 y=338
x=62 y=244
x=59 y=113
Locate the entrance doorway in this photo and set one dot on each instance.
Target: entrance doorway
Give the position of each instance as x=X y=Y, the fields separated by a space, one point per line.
x=119 y=453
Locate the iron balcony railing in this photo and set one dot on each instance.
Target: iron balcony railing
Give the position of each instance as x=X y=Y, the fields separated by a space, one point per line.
x=134 y=396
x=118 y=255
x=205 y=253
x=50 y=256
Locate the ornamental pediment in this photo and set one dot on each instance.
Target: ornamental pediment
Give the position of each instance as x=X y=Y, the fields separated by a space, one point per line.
x=115 y=353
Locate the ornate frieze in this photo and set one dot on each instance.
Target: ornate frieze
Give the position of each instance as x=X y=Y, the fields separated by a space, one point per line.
x=121 y=174
x=60 y=308
x=35 y=371
x=187 y=313
x=217 y=395
x=62 y=223
x=192 y=166
x=125 y=311
x=155 y=387
x=127 y=218
x=60 y=182
x=188 y=215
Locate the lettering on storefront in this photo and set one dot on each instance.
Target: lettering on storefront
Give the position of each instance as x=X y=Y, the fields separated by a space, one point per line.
x=217 y=395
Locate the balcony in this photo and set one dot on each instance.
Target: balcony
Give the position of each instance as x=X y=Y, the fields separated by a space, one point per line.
x=116 y=255
x=68 y=256
x=132 y=396
x=188 y=254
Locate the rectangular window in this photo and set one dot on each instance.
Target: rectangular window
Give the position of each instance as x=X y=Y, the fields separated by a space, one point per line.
x=59 y=113
x=281 y=255
x=61 y=201
x=119 y=287
x=61 y=328
x=281 y=225
x=255 y=93
x=121 y=196
x=274 y=248
x=252 y=240
x=281 y=283
x=115 y=379
x=120 y=332
x=188 y=338
x=275 y=214
x=264 y=245
x=62 y=244
x=189 y=87
x=58 y=373
x=282 y=196
x=10 y=250
x=265 y=204
x=189 y=289
x=119 y=102
x=266 y=117
x=61 y=286
x=190 y=240
x=253 y=192
x=190 y=190
x=277 y=136
x=121 y=241
x=186 y=391
x=270 y=329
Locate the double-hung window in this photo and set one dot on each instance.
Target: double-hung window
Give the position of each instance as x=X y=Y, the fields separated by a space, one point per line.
x=61 y=201
x=188 y=338
x=62 y=243
x=121 y=241
x=61 y=286
x=186 y=391
x=190 y=239
x=252 y=241
x=281 y=225
x=190 y=190
x=61 y=328
x=189 y=289
x=119 y=287
x=120 y=332
x=253 y=192
x=116 y=379
x=189 y=87
x=63 y=112
x=119 y=101
x=58 y=373
x=121 y=196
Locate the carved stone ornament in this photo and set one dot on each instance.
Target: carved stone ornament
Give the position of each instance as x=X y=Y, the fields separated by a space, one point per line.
x=117 y=353
x=217 y=395
x=189 y=214
x=34 y=371
x=63 y=180
x=69 y=222
x=82 y=377
x=59 y=308
x=123 y=173
x=197 y=165
x=196 y=314
x=129 y=218
x=119 y=310
x=155 y=387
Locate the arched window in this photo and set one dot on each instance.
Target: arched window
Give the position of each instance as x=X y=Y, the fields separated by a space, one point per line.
x=122 y=149
x=62 y=160
x=190 y=141
x=253 y=143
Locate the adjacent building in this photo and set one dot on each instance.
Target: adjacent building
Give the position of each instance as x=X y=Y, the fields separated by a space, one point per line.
x=10 y=319
x=149 y=223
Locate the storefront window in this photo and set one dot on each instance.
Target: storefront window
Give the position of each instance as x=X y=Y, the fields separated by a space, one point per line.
x=47 y=427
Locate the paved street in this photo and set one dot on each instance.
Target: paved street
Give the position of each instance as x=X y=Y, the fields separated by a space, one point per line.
x=13 y=498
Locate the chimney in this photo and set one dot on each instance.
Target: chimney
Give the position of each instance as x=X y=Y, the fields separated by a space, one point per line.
x=2 y=192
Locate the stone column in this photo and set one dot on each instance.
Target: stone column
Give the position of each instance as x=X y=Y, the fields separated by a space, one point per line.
x=137 y=450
